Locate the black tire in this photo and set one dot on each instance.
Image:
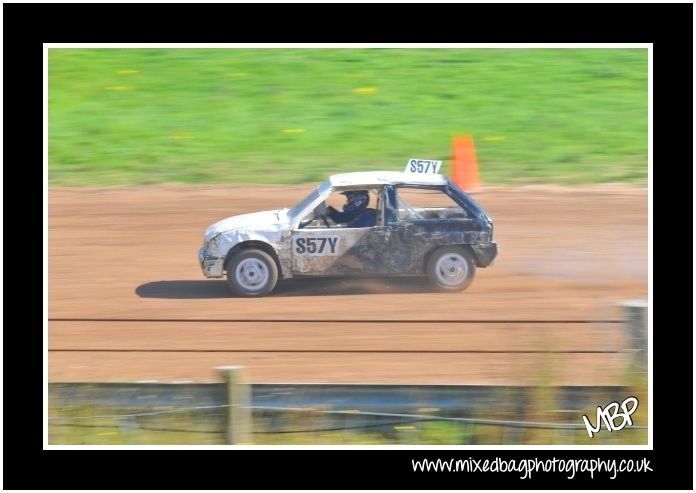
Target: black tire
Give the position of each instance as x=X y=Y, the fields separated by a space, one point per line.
x=451 y=268
x=252 y=273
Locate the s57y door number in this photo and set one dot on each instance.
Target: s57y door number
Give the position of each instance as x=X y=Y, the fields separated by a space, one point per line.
x=316 y=245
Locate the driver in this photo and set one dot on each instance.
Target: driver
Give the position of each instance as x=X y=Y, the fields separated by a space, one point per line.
x=355 y=212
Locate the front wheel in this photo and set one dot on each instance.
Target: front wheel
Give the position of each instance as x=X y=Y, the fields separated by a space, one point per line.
x=252 y=273
x=451 y=268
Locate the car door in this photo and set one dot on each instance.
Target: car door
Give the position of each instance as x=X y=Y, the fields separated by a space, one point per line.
x=433 y=219
x=341 y=250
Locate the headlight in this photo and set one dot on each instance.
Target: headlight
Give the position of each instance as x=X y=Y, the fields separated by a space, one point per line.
x=213 y=244
x=209 y=234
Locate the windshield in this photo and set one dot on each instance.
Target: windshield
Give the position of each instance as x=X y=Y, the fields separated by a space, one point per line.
x=304 y=203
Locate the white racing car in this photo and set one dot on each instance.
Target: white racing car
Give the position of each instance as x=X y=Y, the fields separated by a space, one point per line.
x=402 y=224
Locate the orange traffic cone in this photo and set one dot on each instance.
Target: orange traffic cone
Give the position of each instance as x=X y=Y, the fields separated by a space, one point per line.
x=465 y=171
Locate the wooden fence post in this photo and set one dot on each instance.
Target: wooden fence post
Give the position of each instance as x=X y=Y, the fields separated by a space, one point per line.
x=636 y=323
x=238 y=391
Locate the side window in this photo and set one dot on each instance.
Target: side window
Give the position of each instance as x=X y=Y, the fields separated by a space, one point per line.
x=418 y=203
x=350 y=208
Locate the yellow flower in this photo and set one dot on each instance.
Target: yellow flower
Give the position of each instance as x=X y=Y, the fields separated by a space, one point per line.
x=365 y=90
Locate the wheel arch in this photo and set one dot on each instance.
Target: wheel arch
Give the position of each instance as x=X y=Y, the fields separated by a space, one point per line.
x=469 y=250
x=252 y=244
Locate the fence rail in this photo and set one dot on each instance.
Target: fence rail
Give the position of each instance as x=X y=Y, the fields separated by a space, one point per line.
x=369 y=397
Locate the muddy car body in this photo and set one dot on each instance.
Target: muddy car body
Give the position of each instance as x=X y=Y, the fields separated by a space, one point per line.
x=446 y=237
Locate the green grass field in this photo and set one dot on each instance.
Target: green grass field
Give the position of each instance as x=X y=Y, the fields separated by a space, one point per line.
x=146 y=116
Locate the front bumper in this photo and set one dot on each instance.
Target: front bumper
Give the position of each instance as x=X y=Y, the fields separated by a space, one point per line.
x=485 y=253
x=210 y=265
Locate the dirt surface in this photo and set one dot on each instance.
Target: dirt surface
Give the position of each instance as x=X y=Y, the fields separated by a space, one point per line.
x=131 y=253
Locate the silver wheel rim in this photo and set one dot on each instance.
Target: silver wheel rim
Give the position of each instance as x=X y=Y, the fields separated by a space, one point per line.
x=451 y=269
x=251 y=274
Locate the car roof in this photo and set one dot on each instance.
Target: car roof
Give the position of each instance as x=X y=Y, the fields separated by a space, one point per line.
x=385 y=178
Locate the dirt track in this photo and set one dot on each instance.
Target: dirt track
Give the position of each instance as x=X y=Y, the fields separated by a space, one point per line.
x=131 y=253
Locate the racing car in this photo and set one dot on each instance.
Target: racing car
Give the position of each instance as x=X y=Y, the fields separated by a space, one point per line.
x=392 y=223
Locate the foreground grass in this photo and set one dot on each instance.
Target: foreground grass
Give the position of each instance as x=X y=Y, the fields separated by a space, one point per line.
x=144 y=116
x=71 y=425
x=101 y=432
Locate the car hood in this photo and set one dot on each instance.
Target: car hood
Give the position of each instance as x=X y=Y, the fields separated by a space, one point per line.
x=257 y=221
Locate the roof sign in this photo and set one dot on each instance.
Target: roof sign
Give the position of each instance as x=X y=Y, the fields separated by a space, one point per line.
x=423 y=166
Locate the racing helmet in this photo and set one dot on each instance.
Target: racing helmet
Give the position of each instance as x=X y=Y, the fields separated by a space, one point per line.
x=357 y=200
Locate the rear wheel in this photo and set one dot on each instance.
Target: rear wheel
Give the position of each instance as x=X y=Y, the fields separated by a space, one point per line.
x=252 y=273
x=451 y=268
